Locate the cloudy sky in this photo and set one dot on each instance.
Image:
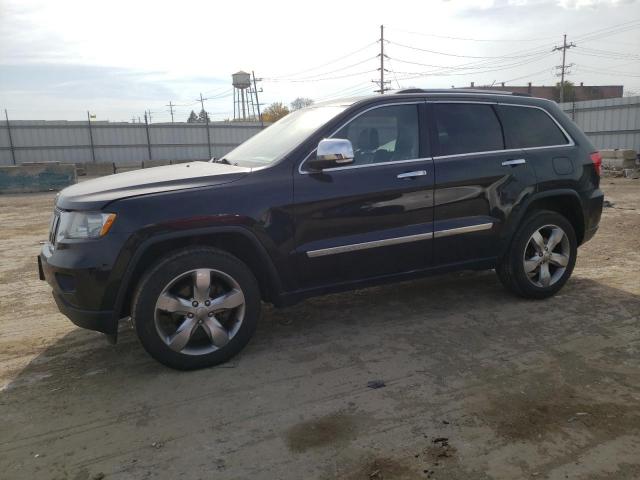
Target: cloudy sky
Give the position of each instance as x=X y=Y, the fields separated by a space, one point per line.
x=118 y=58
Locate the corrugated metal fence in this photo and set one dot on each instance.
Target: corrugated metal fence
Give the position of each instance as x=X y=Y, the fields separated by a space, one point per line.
x=119 y=143
x=610 y=123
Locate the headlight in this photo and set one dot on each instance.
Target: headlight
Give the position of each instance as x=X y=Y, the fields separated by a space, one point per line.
x=84 y=224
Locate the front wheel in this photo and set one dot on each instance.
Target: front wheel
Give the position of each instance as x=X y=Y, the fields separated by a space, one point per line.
x=196 y=308
x=541 y=257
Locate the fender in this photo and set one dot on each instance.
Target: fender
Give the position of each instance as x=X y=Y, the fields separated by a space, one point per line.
x=272 y=273
x=515 y=219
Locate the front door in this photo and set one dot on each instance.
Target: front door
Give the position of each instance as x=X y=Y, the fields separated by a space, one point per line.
x=373 y=217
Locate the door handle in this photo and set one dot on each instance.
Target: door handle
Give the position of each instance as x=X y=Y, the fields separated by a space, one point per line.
x=417 y=173
x=517 y=161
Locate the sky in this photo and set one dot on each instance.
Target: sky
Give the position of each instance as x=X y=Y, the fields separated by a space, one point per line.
x=116 y=59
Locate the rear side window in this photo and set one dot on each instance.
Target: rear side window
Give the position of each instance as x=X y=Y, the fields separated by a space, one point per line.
x=526 y=127
x=467 y=128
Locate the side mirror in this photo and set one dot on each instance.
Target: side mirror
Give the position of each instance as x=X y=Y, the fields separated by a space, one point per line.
x=331 y=152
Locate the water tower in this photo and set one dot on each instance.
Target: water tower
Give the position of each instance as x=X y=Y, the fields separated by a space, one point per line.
x=243 y=94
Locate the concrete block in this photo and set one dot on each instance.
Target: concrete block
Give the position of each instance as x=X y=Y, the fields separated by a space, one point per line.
x=36 y=177
x=96 y=169
x=631 y=173
x=155 y=163
x=608 y=153
x=618 y=163
x=128 y=167
x=626 y=154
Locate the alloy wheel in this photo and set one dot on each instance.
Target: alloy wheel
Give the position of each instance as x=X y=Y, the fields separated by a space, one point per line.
x=199 y=311
x=546 y=255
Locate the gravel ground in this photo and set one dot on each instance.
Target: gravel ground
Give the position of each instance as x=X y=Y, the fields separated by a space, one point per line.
x=478 y=384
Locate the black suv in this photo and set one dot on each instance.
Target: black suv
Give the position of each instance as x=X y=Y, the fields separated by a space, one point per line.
x=337 y=196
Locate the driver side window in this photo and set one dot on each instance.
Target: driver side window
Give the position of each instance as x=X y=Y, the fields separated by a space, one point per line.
x=384 y=134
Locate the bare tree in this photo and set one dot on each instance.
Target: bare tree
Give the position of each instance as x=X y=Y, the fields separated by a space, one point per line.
x=301 y=102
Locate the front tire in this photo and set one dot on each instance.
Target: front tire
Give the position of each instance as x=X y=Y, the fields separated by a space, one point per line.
x=541 y=257
x=196 y=308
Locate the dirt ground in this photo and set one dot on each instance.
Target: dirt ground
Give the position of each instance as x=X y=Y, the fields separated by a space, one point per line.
x=478 y=384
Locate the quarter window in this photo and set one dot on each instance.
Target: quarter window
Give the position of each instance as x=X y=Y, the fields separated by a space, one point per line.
x=467 y=128
x=526 y=127
x=384 y=134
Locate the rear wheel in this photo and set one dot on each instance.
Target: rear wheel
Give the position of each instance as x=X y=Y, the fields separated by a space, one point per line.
x=196 y=308
x=541 y=257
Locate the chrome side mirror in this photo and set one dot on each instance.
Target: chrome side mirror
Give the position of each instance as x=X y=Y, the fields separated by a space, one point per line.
x=332 y=152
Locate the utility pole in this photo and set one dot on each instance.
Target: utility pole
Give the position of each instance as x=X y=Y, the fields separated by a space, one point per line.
x=563 y=68
x=146 y=127
x=133 y=119
x=145 y=112
x=382 y=59
x=382 y=81
x=170 y=110
x=93 y=150
x=206 y=121
x=255 y=89
x=11 y=147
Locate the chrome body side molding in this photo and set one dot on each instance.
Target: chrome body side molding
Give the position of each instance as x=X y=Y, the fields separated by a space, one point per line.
x=397 y=240
x=460 y=230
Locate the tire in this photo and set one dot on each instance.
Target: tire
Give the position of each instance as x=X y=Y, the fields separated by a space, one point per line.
x=516 y=270
x=185 y=321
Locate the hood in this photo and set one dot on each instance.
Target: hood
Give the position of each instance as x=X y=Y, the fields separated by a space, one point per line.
x=95 y=194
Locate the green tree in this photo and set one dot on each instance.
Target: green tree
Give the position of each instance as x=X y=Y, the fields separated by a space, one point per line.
x=569 y=91
x=203 y=116
x=193 y=118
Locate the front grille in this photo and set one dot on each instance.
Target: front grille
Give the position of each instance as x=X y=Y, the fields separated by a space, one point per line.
x=53 y=229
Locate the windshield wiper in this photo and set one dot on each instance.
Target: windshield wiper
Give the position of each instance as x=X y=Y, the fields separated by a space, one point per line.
x=220 y=160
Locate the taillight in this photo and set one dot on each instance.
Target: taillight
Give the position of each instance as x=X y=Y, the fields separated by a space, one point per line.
x=596 y=158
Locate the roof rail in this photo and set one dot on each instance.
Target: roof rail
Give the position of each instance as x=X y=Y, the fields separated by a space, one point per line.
x=461 y=90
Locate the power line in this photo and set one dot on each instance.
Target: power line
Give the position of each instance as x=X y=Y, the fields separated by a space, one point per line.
x=607 y=31
x=346 y=91
x=447 y=37
x=471 y=67
x=328 y=78
x=612 y=55
x=312 y=77
x=609 y=52
x=395 y=77
x=529 y=75
x=460 y=56
x=607 y=72
x=412 y=75
x=324 y=64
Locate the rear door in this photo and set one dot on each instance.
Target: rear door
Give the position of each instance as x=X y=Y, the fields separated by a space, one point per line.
x=477 y=181
x=374 y=217
x=547 y=147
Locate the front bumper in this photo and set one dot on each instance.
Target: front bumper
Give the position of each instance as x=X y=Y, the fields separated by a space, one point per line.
x=77 y=291
x=101 y=321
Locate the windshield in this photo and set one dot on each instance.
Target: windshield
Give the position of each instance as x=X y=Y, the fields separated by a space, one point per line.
x=277 y=140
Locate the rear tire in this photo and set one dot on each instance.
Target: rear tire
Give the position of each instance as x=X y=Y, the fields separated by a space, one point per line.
x=196 y=308
x=541 y=256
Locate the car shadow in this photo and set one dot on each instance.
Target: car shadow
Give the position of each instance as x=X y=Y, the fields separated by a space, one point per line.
x=80 y=390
